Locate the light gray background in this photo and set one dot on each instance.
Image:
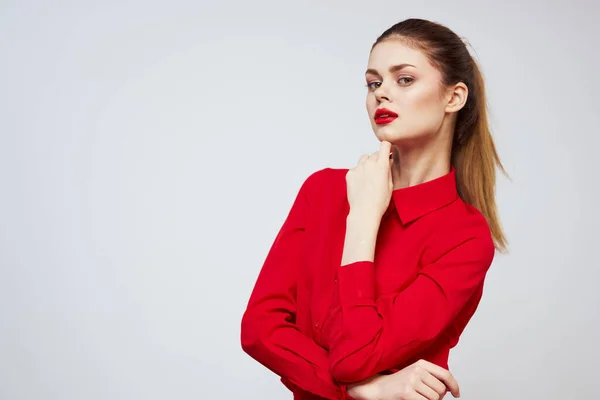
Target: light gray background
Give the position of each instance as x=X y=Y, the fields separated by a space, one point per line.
x=149 y=153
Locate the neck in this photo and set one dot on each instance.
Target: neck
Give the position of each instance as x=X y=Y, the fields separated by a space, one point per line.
x=415 y=165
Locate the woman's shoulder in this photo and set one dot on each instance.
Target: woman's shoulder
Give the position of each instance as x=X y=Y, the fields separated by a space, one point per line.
x=326 y=177
x=325 y=184
x=459 y=225
x=463 y=219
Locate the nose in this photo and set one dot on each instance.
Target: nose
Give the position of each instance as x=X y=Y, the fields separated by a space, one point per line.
x=381 y=94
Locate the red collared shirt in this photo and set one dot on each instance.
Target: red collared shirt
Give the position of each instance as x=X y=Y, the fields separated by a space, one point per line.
x=319 y=325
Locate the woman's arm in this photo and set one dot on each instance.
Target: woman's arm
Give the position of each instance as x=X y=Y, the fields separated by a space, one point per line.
x=268 y=330
x=374 y=335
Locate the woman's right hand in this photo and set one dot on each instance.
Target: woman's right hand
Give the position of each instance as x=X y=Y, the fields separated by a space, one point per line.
x=422 y=380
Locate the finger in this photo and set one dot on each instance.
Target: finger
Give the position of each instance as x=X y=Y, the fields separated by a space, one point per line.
x=414 y=396
x=448 y=379
x=443 y=375
x=426 y=391
x=434 y=383
x=363 y=158
x=384 y=150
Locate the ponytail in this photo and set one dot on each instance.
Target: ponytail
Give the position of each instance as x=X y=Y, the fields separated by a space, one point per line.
x=475 y=159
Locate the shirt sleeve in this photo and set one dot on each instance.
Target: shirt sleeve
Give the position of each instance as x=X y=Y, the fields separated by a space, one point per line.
x=268 y=330
x=375 y=335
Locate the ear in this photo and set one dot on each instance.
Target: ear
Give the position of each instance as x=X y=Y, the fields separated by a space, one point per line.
x=457 y=97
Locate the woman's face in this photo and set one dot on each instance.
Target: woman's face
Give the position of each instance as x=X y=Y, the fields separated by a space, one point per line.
x=403 y=81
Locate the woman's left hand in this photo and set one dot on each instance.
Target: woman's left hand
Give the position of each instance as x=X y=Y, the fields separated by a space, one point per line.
x=369 y=184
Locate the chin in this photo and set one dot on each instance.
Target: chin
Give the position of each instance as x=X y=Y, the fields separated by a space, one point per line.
x=396 y=136
x=388 y=133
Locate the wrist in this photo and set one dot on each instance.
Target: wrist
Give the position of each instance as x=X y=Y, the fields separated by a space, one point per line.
x=362 y=228
x=376 y=389
x=366 y=221
x=368 y=389
x=360 y=239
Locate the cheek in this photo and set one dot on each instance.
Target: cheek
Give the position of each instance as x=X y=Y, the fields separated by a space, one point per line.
x=421 y=115
x=425 y=106
x=418 y=98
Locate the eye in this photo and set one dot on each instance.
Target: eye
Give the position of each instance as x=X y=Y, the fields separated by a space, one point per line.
x=405 y=80
x=373 y=85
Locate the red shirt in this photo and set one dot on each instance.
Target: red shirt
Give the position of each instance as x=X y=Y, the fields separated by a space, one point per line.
x=318 y=324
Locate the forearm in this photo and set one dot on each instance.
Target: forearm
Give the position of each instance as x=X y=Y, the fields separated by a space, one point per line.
x=361 y=237
x=377 y=332
x=291 y=355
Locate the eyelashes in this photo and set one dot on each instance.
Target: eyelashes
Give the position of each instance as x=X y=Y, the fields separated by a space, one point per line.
x=402 y=81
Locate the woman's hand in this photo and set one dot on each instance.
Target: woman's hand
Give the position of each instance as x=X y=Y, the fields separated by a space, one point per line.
x=420 y=381
x=369 y=184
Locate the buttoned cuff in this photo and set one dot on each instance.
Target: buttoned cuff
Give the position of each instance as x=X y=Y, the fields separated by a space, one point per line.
x=356 y=283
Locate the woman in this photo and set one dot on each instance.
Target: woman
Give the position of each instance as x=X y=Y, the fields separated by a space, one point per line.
x=377 y=270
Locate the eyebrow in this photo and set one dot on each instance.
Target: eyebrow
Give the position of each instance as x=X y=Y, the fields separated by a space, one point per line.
x=392 y=69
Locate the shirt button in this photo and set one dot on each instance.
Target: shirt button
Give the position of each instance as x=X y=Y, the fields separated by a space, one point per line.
x=317 y=324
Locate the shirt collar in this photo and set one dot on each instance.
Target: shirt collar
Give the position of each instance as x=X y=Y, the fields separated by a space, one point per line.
x=413 y=202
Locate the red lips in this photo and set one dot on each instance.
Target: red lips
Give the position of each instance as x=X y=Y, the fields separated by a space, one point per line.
x=384 y=116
